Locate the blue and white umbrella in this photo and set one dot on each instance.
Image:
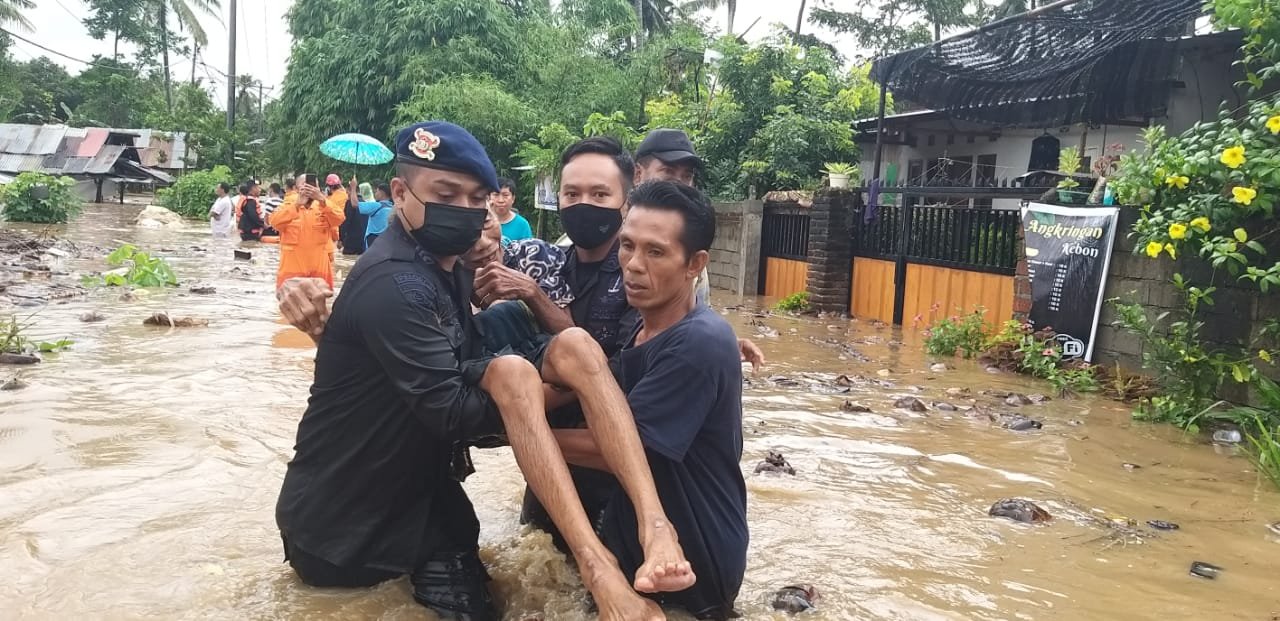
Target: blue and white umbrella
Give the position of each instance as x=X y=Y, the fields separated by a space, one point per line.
x=357 y=149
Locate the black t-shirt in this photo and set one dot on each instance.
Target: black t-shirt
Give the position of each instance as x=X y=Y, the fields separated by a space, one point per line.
x=685 y=389
x=375 y=478
x=599 y=303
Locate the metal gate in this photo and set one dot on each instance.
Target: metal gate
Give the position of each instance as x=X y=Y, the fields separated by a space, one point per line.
x=936 y=260
x=784 y=252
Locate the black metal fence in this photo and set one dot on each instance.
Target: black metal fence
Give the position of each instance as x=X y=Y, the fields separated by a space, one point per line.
x=785 y=236
x=966 y=238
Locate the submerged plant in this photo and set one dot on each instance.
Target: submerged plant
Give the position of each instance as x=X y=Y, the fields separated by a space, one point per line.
x=143 y=270
x=14 y=340
x=795 y=303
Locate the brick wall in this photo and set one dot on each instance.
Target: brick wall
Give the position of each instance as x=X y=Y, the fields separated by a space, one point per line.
x=735 y=253
x=830 y=250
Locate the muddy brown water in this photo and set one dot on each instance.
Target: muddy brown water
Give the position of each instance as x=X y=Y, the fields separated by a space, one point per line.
x=139 y=471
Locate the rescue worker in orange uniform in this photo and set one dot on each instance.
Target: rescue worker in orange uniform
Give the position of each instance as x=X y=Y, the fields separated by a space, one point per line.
x=307 y=226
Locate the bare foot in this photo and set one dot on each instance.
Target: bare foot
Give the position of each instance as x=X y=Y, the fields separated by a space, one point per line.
x=614 y=597
x=665 y=569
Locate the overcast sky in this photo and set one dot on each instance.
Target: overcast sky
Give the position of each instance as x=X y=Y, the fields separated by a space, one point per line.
x=263 y=40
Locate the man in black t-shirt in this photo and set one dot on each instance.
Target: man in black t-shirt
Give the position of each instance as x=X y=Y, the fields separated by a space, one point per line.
x=680 y=369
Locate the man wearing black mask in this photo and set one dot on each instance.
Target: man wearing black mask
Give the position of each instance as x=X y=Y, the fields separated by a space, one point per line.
x=402 y=388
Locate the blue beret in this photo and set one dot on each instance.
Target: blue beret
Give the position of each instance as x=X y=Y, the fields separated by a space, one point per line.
x=443 y=145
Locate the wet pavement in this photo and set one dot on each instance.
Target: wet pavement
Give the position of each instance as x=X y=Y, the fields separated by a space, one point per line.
x=139 y=470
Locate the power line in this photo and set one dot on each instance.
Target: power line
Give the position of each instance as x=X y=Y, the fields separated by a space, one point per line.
x=67 y=56
x=64 y=7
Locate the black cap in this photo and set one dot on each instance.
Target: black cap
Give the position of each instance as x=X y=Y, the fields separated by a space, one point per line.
x=672 y=146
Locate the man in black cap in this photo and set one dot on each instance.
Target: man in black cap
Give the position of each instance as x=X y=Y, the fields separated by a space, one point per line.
x=401 y=389
x=667 y=155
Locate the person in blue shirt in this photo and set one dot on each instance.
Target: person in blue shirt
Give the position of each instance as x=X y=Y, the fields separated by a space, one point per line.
x=681 y=371
x=514 y=225
x=377 y=210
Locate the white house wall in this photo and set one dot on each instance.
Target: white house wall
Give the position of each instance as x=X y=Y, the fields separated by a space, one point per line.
x=1209 y=79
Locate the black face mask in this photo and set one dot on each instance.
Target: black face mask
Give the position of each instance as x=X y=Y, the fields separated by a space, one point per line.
x=449 y=230
x=590 y=226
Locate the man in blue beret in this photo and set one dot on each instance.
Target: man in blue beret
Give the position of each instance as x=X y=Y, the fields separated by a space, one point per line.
x=402 y=387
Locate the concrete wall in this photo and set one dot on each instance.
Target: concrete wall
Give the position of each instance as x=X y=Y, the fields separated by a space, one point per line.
x=735 y=253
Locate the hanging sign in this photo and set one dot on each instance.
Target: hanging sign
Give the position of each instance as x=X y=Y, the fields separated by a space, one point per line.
x=1068 y=253
x=545 y=195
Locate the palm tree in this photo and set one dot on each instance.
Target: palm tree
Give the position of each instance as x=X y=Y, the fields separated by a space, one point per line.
x=693 y=6
x=1009 y=8
x=795 y=38
x=186 y=19
x=11 y=12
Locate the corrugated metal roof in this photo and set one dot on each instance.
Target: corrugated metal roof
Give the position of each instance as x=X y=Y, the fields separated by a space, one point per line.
x=103 y=162
x=47 y=139
x=21 y=162
x=94 y=138
x=20 y=139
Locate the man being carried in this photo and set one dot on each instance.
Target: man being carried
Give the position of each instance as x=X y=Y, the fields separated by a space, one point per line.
x=374 y=489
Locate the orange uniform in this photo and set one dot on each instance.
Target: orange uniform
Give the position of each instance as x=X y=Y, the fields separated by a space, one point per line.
x=306 y=239
x=336 y=201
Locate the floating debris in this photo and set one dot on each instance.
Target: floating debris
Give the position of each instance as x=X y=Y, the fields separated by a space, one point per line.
x=163 y=319
x=1162 y=525
x=782 y=380
x=911 y=403
x=943 y=406
x=938 y=367
x=1227 y=436
x=13 y=383
x=849 y=406
x=957 y=392
x=1019 y=510
x=8 y=358
x=1018 y=422
x=1201 y=569
x=1131 y=467
x=1075 y=422
x=1017 y=400
x=203 y=289
x=1037 y=399
x=884 y=372
x=775 y=462
x=796 y=598
x=92 y=316
x=243 y=255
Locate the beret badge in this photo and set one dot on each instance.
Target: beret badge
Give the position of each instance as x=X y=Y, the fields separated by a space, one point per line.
x=424 y=144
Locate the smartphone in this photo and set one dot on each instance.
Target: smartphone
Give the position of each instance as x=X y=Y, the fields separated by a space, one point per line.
x=313 y=180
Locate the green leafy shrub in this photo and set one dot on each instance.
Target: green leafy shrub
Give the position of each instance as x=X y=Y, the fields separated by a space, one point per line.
x=795 y=303
x=193 y=193
x=958 y=335
x=137 y=269
x=40 y=198
x=1014 y=347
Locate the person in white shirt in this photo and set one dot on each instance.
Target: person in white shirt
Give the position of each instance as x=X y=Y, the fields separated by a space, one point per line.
x=220 y=214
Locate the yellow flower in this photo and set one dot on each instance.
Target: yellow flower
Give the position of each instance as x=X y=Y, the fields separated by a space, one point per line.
x=1231 y=246
x=1241 y=235
x=1201 y=223
x=1177 y=230
x=1173 y=252
x=1243 y=195
x=1233 y=157
x=1154 y=249
x=1177 y=181
x=1262 y=353
x=1273 y=124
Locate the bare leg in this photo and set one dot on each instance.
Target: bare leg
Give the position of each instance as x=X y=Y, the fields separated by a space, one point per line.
x=516 y=388
x=575 y=360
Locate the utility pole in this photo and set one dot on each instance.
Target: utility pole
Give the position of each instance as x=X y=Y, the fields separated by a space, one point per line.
x=260 y=117
x=231 y=70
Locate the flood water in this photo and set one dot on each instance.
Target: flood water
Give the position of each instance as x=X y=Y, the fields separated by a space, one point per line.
x=139 y=472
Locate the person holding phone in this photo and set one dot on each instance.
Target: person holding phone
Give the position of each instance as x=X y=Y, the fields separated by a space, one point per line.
x=307 y=226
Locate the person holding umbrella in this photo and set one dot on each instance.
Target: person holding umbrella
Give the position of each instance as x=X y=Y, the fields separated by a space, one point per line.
x=353 y=149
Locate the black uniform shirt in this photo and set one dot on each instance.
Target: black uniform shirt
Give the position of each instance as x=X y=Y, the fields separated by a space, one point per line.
x=396 y=389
